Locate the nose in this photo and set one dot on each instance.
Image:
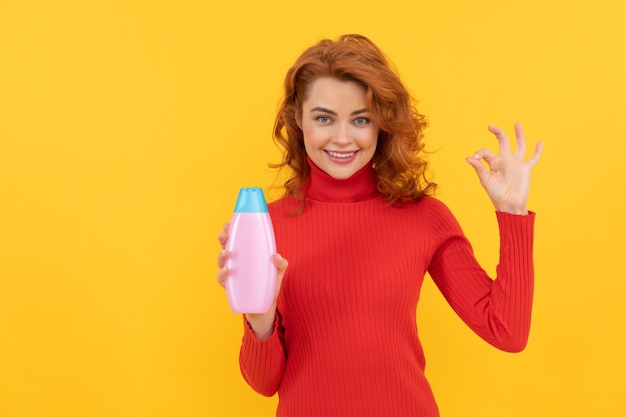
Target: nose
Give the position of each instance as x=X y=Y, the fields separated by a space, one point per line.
x=343 y=135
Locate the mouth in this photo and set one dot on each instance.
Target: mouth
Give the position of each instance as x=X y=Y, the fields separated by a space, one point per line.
x=341 y=155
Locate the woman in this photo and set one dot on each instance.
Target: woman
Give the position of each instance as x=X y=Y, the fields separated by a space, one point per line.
x=360 y=229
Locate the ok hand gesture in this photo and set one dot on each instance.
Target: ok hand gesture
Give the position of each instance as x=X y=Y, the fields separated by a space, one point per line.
x=507 y=181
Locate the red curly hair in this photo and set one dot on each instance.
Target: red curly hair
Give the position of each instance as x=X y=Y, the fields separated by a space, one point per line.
x=400 y=171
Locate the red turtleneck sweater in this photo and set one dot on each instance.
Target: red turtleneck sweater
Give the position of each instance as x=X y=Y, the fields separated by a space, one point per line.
x=345 y=341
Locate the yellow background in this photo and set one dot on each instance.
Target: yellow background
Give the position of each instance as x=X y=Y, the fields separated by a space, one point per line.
x=127 y=127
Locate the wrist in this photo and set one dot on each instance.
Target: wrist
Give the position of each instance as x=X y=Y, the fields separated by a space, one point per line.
x=262 y=325
x=512 y=210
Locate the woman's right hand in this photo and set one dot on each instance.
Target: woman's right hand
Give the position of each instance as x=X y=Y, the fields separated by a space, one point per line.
x=262 y=324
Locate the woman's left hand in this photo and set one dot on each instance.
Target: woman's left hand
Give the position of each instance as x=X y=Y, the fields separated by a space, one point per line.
x=507 y=181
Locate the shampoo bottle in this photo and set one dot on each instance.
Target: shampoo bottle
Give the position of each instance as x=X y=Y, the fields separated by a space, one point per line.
x=251 y=283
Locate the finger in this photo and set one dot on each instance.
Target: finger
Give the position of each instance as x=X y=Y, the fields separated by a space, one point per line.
x=536 y=155
x=223 y=238
x=503 y=140
x=222 y=274
x=520 y=140
x=485 y=154
x=481 y=171
x=221 y=258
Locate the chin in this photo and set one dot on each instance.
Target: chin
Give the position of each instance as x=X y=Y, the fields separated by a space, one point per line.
x=341 y=174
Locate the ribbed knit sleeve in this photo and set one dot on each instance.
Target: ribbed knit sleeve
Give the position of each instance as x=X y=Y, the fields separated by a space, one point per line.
x=262 y=362
x=498 y=310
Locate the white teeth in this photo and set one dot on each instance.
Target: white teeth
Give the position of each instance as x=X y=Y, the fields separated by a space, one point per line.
x=341 y=155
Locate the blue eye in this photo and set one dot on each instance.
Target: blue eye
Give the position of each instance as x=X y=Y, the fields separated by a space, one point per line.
x=323 y=119
x=361 y=121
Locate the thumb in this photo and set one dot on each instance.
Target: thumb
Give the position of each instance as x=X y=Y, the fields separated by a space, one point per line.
x=280 y=263
x=281 y=266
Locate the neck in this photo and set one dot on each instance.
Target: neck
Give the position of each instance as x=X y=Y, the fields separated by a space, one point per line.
x=322 y=187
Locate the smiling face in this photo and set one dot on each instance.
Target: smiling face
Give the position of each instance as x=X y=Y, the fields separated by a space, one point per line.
x=339 y=136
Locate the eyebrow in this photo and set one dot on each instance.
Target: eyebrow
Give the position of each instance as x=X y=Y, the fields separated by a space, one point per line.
x=324 y=110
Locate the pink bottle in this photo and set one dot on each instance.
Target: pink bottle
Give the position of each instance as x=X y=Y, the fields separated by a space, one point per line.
x=251 y=283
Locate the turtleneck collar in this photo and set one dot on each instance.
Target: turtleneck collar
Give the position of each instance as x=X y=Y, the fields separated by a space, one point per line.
x=322 y=187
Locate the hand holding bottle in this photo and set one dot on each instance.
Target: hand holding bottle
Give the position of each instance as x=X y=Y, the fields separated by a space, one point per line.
x=262 y=324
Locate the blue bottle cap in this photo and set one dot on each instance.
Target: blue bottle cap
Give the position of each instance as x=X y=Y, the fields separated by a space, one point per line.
x=251 y=200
